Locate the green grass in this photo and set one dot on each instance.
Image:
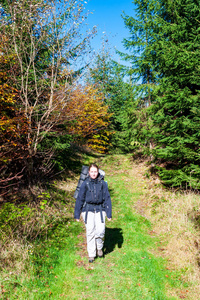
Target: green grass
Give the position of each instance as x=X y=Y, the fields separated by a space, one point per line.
x=128 y=270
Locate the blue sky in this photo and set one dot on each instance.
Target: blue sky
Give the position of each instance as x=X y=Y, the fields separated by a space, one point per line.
x=106 y=15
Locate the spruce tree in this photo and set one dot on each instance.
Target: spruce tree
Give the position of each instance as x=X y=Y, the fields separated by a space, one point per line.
x=119 y=95
x=172 y=56
x=139 y=44
x=177 y=109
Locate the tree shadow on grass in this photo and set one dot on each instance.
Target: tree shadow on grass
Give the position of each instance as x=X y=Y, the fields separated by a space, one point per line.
x=113 y=237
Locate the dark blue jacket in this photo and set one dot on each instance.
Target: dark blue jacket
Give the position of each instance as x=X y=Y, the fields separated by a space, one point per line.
x=93 y=192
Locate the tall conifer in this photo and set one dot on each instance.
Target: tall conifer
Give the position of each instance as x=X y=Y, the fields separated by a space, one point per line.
x=177 y=109
x=119 y=95
x=172 y=55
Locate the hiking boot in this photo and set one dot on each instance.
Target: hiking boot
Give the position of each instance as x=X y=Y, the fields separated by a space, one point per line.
x=91 y=259
x=100 y=253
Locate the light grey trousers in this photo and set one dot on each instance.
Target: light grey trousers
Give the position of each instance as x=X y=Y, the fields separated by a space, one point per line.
x=95 y=232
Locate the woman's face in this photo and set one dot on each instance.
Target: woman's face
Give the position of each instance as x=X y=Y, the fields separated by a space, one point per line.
x=93 y=172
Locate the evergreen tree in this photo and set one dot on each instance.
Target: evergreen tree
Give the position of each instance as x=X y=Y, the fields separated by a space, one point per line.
x=172 y=57
x=176 y=111
x=141 y=54
x=143 y=72
x=119 y=95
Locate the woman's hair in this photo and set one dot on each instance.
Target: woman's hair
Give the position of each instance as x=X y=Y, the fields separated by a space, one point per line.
x=95 y=166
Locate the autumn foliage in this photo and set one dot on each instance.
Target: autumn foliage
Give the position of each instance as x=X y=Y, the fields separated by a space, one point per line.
x=89 y=118
x=13 y=128
x=43 y=110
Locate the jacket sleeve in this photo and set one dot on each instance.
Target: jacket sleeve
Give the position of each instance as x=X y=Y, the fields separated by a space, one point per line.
x=80 y=201
x=107 y=202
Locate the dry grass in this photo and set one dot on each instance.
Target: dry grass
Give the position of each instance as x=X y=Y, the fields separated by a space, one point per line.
x=173 y=217
x=68 y=185
x=13 y=255
x=15 y=265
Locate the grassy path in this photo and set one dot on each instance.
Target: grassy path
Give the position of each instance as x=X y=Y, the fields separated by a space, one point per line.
x=129 y=269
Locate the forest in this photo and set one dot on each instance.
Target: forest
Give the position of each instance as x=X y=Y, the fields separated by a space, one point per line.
x=59 y=103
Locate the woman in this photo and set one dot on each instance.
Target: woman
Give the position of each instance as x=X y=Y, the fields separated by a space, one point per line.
x=95 y=203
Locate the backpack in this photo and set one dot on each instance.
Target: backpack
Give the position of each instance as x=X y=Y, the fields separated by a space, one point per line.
x=85 y=174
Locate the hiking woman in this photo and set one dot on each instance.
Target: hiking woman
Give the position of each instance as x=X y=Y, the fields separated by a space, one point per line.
x=94 y=203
